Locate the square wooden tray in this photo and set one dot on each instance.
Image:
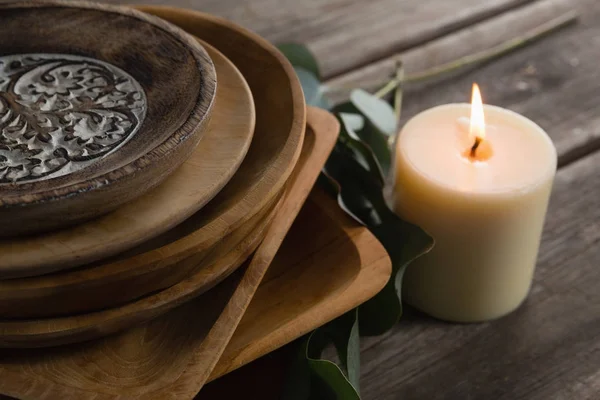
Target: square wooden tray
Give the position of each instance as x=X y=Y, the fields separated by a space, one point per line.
x=327 y=265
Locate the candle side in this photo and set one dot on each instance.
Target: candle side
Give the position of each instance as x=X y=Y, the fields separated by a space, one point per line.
x=487 y=218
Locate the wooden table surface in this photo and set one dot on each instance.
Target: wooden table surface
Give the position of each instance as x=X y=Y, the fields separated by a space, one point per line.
x=550 y=347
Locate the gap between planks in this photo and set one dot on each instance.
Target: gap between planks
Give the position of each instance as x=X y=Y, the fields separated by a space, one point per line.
x=478 y=16
x=347 y=34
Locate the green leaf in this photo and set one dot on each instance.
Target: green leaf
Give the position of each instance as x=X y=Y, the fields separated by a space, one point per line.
x=362 y=197
x=313 y=90
x=337 y=383
x=404 y=243
x=344 y=333
x=300 y=56
x=377 y=111
x=298 y=380
x=370 y=135
x=312 y=377
x=350 y=124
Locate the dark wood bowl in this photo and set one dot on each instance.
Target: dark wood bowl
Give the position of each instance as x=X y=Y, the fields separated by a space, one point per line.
x=98 y=104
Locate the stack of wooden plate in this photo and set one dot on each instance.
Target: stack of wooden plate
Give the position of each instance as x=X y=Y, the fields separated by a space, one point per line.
x=147 y=157
x=139 y=165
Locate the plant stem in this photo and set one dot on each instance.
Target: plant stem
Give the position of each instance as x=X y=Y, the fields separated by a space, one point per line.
x=391 y=85
x=397 y=99
x=398 y=92
x=484 y=55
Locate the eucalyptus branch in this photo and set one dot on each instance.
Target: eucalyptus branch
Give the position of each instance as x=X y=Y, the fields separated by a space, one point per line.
x=397 y=98
x=391 y=85
x=399 y=88
x=484 y=55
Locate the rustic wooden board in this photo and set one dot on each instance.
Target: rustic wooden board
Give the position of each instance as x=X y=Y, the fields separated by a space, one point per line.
x=210 y=167
x=339 y=266
x=547 y=349
x=345 y=34
x=44 y=95
x=555 y=82
x=172 y=356
x=464 y=42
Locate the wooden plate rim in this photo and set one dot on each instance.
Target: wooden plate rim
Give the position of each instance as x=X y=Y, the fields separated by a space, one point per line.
x=197 y=119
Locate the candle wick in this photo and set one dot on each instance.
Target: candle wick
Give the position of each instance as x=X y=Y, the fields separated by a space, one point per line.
x=475 y=146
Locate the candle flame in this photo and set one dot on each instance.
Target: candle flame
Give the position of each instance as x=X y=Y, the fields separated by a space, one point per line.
x=477 y=129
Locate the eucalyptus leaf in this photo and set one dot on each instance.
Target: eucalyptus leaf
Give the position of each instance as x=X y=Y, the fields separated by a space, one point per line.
x=350 y=124
x=298 y=380
x=377 y=111
x=312 y=377
x=370 y=135
x=362 y=197
x=355 y=173
x=314 y=92
x=344 y=333
x=300 y=56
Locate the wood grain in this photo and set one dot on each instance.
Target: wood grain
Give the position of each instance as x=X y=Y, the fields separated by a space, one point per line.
x=469 y=40
x=280 y=108
x=322 y=133
x=339 y=266
x=200 y=178
x=157 y=264
x=554 y=82
x=176 y=117
x=203 y=275
x=134 y=363
x=547 y=349
x=346 y=34
x=153 y=360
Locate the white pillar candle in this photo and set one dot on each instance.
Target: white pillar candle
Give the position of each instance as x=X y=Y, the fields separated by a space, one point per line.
x=484 y=205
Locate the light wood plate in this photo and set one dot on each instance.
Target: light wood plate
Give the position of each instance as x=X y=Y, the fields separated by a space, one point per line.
x=170 y=357
x=221 y=261
x=280 y=122
x=210 y=269
x=145 y=269
x=338 y=266
x=87 y=124
x=210 y=167
x=330 y=273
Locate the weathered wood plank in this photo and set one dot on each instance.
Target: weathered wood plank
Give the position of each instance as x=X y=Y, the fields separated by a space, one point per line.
x=547 y=349
x=550 y=347
x=473 y=39
x=345 y=34
x=555 y=82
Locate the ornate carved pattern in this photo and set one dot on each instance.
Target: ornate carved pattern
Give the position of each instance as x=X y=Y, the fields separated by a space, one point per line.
x=60 y=113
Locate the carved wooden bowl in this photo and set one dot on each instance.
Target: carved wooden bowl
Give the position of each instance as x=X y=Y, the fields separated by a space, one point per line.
x=98 y=104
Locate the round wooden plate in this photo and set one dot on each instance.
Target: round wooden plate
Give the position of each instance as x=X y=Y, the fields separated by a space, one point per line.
x=280 y=112
x=210 y=167
x=86 y=124
x=225 y=258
